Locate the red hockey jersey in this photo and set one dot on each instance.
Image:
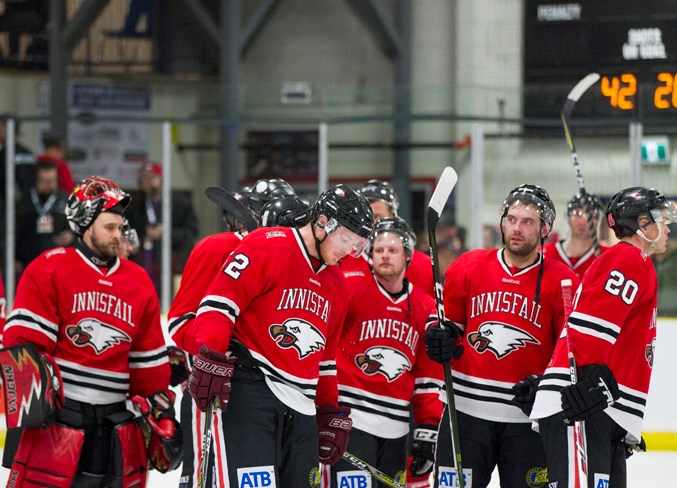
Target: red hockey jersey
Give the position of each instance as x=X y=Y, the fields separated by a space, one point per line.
x=204 y=263
x=102 y=328
x=613 y=322
x=3 y=304
x=382 y=363
x=289 y=316
x=579 y=265
x=507 y=335
x=419 y=272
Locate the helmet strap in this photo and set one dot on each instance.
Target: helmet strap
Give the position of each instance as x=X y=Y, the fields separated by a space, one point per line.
x=318 y=242
x=652 y=242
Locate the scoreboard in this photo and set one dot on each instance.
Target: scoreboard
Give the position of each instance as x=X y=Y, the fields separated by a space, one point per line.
x=632 y=44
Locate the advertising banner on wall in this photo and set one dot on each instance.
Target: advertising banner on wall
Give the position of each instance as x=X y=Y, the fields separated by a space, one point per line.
x=114 y=149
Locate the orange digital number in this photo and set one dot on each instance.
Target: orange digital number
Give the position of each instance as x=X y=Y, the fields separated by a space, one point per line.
x=620 y=91
x=667 y=89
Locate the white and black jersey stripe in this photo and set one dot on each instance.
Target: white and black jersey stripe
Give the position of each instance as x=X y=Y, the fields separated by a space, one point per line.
x=23 y=317
x=378 y=415
x=92 y=385
x=148 y=359
x=175 y=323
x=222 y=305
x=594 y=326
x=487 y=399
x=297 y=393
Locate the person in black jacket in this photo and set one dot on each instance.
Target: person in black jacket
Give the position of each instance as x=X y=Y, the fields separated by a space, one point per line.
x=145 y=215
x=41 y=222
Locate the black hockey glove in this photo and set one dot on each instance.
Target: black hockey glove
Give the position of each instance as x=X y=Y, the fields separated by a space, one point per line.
x=631 y=448
x=441 y=343
x=423 y=449
x=596 y=390
x=525 y=393
x=178 y=362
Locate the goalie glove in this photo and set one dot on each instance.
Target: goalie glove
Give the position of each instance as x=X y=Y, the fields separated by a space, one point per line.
x=596 y=390
x=423 y=449
x=162 y=433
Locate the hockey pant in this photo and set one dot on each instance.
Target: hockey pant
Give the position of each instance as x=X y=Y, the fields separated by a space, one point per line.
x=113 y=450
x=267 y=443
x=514 y=447
x=605 y=446
x=387 y=455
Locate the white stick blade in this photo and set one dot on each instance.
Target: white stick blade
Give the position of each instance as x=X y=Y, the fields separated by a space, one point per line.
x=582 y=86
x=444 y=187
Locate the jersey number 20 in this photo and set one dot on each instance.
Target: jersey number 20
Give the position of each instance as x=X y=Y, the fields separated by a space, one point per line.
x=618 y=285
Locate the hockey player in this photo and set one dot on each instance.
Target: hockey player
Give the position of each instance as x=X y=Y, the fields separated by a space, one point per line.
x=613 y=339
x=576 y=251
x=129 y=241
x=280 y=206
x=507 y=312
x=382 y=365
x=98 y=317
x=3 y=304
x=278 y=306
x=385 y=203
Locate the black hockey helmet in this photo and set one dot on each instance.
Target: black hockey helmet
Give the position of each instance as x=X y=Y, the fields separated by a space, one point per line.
x=264 y=191
x=585 y=201
x=398 y=226
x=374 y=190
x=342 y=205
x=627 y=206
x=92 y=196
x=531 y=195
x=285 y=212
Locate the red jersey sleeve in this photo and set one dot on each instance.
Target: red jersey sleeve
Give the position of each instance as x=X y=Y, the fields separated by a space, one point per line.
x=327 y=384
x=34 y=317
x=3 y=304
x=428 y=376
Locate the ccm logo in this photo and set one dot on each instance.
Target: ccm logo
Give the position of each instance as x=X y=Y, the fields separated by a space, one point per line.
x=212 y=368
x=343 y=424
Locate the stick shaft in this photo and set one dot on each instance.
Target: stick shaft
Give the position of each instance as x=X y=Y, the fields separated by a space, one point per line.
x=375 y=473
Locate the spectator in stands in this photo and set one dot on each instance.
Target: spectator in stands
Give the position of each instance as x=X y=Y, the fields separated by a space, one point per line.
x=40 y=217
x=55 y=152
x=145 y=215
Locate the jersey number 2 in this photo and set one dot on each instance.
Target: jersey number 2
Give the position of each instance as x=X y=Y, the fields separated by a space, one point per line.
x=235 y=267
x=618 y=285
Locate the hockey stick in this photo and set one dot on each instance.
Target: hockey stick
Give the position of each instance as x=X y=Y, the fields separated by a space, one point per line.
x=206 y=443
x=576 y=93
x=375 y=473
x=440 y=196
x=580 y=446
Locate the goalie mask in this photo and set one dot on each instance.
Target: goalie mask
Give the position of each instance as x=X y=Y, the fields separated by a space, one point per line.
x=91 y=197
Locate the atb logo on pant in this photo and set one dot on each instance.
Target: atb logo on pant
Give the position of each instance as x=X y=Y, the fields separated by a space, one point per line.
x=353 y=479
x=446 y=477
x=601 y=480
x=256 y=477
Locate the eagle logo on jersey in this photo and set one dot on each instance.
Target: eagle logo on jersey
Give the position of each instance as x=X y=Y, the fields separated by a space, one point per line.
x=100 y=336
x=390 y=362
x=499 y=338
x=649 y=352
x=299 y=334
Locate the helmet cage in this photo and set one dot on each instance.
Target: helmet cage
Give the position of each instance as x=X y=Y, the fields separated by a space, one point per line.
x=534 y=196
x=395 y=225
